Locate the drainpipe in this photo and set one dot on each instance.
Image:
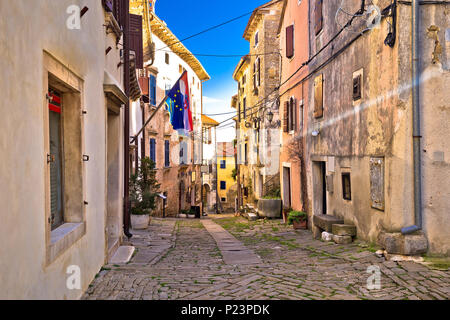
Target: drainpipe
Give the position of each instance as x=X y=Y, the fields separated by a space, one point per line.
x=416 y=122
x=126 y=57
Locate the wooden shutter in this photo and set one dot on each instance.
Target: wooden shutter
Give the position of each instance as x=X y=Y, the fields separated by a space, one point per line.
x=294 y=114
x=167 y=153
x=259 y=72
x=118 y=9
x=286 y=116
x=318 y=96
x=239 y=112
x=152 y=92
x=143 y=83
x=136 y=39
x=290 y=41
x=153 y=150
x=318 y=17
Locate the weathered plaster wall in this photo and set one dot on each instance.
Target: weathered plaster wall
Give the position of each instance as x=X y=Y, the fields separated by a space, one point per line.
x=381 y=124
x=23 y=269
x=296 y=14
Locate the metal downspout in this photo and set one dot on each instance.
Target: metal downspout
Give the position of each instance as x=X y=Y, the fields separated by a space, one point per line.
x=415 y=19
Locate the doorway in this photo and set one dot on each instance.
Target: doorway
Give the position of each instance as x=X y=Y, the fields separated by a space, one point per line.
x=113 y=156
x=319 y=187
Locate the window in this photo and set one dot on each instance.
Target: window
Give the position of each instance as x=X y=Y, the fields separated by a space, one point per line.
x=152 y=90
x=223 y=185
x=318 y=17
x=256 y=38
x=244 y=103
x=135 y=35
x=223 y=164
x=167 y=58
x=257 y=73
x=290 y=115
x=65 y=158
x=346 y=186
x=167 y=153
x=181 y=68
x=183 y=152
x=357 y=87
x=246 y=153
x=223 y=199
x=244 y=79
x=153 y=150
x=55 y=159
x=318 y=96
x=290 y=41
x=239 y=112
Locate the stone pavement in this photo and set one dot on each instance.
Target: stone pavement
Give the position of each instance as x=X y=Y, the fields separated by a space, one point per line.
x=180 y=259
x=232 y=250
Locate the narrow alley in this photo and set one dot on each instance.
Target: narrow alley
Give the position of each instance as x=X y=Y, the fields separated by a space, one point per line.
x=192 y=265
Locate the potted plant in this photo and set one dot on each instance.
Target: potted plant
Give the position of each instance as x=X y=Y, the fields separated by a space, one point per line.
x=298 y=219
x=143 y=192
x=191 y=213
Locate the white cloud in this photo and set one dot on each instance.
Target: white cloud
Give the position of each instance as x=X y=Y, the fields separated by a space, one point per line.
x=209 y=100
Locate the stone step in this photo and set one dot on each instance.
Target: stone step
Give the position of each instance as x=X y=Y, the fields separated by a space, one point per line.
x=344 y=230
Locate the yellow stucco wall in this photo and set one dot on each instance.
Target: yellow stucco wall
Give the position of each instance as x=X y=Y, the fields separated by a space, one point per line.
x=225 y=175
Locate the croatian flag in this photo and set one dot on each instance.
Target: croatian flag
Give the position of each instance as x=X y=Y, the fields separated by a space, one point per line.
x=179 y=106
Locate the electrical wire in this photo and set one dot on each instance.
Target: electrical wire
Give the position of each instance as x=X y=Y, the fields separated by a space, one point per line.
x=218 y=25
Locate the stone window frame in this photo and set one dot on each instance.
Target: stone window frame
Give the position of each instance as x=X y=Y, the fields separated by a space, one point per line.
x=346 y=172
x=58 y=76
x=358 y=73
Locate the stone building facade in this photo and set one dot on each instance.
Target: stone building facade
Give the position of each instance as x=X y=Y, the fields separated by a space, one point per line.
x=293 y=36
x=359 y=155
x=178 y=157
x=258 y=76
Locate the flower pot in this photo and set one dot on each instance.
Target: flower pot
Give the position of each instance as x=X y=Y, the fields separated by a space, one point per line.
x=182 y=215
x=303 y=224
x=140 y=221
x=191 y=216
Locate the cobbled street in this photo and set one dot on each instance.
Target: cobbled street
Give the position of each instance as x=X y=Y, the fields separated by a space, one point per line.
x=264 y=259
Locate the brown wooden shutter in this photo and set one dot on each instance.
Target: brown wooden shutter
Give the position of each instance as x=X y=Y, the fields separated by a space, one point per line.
x=259 y=72
x=143 y=83
x=318 y=17
x=118 y=8
x=290 y=41
x=286 y=116
x=295 y=114
x=318 y=96
x=136 y=39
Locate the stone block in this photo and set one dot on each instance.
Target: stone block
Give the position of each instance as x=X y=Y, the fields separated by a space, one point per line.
x=326 y=236
x=397 y=243
x=344 y=230
x=325 y=222
x=342 y=239
x=252 y=216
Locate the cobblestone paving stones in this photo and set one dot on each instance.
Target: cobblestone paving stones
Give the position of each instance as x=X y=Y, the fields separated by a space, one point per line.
x=179 y=259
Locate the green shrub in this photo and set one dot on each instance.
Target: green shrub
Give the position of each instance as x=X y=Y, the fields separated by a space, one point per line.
x=297 y=216
x=144 y=188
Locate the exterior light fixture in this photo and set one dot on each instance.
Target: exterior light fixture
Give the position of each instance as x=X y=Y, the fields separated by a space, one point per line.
x=315 y=133
x=270 y=116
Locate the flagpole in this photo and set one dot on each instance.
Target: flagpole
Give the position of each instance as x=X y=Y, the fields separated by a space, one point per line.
x=154 y=113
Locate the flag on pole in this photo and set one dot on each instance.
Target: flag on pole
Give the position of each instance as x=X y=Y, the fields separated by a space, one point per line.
x=178 y=102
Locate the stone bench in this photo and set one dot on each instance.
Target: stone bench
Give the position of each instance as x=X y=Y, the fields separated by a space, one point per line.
x=325 y=222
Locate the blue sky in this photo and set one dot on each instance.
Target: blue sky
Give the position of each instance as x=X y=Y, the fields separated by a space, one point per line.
x=188 y=17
